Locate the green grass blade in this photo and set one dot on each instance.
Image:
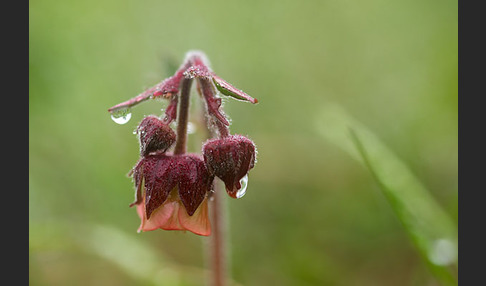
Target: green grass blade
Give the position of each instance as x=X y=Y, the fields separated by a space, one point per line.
x=137 y=259
x=429 y=227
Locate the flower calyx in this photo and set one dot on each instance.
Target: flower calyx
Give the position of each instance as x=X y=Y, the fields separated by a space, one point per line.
x=230 y=159
x=171 y=190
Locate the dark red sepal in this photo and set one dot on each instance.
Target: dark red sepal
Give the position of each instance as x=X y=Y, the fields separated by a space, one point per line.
x=195 y=181
x=160 y=177
x=170 y=86
x=137 y=174
x=230 y=158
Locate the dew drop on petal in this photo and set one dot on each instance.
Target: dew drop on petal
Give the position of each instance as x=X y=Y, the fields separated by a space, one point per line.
x=121 y=116
x=244 y=183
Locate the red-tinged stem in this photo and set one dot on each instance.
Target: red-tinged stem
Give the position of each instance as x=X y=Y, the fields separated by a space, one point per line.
x=223 y=129
x=218 y=257
x=217 y=247
x=213 y=104
x=171 y=110
x=183 y=117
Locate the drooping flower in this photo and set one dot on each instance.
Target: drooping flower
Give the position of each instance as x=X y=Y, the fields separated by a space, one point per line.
x=172 y=188
x=171 y=193
x=230 y=158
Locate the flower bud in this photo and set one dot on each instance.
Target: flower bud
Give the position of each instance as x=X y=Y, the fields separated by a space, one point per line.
x=230 y=158
x=154 y=135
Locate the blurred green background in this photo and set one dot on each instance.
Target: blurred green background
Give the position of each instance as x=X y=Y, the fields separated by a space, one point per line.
x=312 y=214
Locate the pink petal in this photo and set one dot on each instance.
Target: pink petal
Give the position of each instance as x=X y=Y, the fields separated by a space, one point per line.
x=199 y=222
x=172 y=215
x=164 y=217
x=141 y=214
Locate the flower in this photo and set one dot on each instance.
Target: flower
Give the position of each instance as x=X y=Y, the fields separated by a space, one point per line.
x=154 y=135
x=172 y=193
x=230 y=158
x=172 y=188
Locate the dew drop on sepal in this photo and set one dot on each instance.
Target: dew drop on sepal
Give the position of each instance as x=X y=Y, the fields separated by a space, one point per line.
x=244 y=183
x=121 y=116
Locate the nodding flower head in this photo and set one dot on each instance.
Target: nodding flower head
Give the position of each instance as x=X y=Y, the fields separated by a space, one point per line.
x=154 y=135
x=230 y=158
x=172 y=188
x=172 y=193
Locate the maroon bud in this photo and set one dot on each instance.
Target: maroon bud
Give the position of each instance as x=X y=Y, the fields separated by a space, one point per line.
x=154 y=135
x=230 y=158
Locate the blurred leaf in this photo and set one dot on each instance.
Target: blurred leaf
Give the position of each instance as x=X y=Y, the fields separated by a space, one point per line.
x=122 y=250
x=432 y=231
x=136 y=259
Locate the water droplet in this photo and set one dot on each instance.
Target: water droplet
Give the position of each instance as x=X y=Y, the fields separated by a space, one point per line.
x=121 y=116
x=244 y=183
x=191 y=128
x=443 y=252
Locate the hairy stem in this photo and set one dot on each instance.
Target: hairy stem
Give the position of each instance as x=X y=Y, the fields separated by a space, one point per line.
x=183 y=117
x=218 y=257
x=217 y=247
x=213 y=106
x=223 y=129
